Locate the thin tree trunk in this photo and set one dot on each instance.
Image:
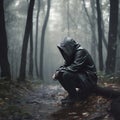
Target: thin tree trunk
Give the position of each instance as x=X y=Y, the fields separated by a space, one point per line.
x=103 y=33
x=112 y=37
x=36 y=40
x=99 y=36
x=68 y=21
x=4 y=63
x=92 y=26
x=43 y=38
x=31 y=54
x=28 y=28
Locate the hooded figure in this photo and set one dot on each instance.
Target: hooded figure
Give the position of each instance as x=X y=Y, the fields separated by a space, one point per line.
x=79 y=71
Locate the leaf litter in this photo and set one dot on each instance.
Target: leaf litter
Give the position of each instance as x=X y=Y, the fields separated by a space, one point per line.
x=42 y=102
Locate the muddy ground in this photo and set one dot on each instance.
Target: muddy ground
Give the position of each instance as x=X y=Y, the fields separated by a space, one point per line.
x=42 y=102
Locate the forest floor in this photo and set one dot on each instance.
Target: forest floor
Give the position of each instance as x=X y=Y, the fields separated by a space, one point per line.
x=35 y=101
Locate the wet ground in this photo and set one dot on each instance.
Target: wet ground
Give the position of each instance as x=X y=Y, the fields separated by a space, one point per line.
x=43 y=103
x=48 y=106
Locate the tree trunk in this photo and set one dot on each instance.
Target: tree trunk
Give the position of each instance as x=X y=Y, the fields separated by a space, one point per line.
x=92 y=27
x=43 y=37
x=100 y=53
x=31 y=55
x=68 y=21
x=112 y=37
x=103 y=33
x=4 y=63
x=28 y=28
x=118 y=46
x=36 y=40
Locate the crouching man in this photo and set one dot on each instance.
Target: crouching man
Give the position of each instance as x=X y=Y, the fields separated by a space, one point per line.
x=78 y=75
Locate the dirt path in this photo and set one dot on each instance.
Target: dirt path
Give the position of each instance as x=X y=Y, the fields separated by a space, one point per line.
x=43 y=103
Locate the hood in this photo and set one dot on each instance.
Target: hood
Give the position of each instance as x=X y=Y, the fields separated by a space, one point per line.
x=68 y=48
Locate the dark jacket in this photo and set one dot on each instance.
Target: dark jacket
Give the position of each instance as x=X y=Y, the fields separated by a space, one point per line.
x=77 y=59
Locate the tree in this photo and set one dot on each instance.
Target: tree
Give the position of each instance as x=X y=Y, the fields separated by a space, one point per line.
x=31 y=54
x=28 y=28
x=92 y=22
x=36 y=39
x=112 y=37
x=4 y=63
x=100 y=54
x=43 y=37
x=118 y=45
x=92 y=27
x=103 y=31
x=68 y=21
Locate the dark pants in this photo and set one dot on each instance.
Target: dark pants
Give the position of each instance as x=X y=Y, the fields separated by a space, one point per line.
x=71 y=81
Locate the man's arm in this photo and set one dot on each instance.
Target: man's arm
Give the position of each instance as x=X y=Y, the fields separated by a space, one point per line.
x=59 y=71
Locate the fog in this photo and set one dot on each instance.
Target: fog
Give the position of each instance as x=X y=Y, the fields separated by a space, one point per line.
x=66 y=18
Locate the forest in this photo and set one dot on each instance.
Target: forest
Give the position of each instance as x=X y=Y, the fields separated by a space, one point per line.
x=30 y=31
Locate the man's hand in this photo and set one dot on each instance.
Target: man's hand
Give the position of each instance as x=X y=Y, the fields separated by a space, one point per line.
x=53 y=77
x=56 y=76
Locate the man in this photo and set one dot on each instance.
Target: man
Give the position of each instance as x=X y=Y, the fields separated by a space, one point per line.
x=78 y=74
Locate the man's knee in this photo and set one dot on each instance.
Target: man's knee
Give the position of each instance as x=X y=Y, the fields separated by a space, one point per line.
x=66 y=77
